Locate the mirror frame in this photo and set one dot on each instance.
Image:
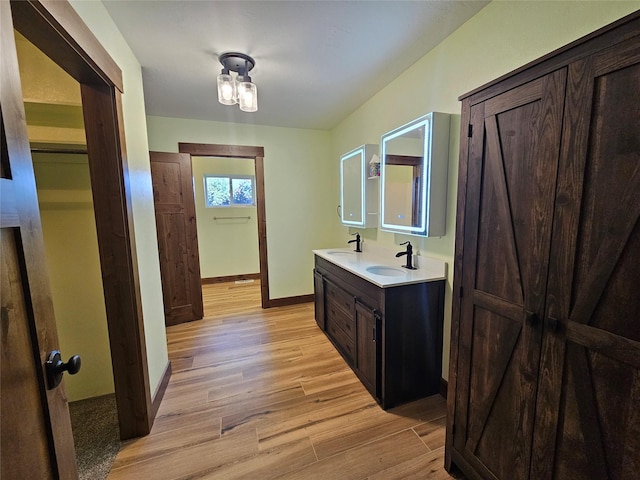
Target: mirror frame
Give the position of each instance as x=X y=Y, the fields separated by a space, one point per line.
x=369 y=193
x=358 y=151
x=429 y=175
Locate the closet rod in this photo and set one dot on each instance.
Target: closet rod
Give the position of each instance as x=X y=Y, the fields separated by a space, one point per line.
x=58 y=150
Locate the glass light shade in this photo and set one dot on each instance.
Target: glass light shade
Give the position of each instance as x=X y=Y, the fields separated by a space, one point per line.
x=227 y=94
x=248 y=96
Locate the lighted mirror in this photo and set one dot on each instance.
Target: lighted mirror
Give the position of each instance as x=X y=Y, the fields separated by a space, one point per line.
x=414 y=160
x=358 y=191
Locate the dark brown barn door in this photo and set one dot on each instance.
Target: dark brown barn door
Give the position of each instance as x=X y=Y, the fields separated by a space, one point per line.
x=594 y=297
x=36 y=438
x=513 y=161
x=177 y=236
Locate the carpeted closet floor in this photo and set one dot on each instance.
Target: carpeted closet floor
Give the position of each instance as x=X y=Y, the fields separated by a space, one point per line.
x=96 y=435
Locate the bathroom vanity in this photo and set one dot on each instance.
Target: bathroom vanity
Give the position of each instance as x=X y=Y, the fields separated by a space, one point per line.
x=386 y=321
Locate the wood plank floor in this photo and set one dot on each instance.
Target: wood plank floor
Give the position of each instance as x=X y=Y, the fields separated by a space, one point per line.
x=262 y=394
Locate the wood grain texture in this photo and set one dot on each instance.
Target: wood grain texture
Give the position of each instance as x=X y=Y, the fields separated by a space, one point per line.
x=257 y=154
x=55 y=28
x=30 y=304
x=613 y=33
x=65 y=38
x=175 y=213
x=580 y=313
x=406 y=322
x=263 y=394
x=102 y=110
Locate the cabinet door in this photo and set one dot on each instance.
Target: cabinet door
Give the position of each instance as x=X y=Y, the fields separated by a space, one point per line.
x=367 y=347
x=512 y=165
x=318 y=292
x=593 y=385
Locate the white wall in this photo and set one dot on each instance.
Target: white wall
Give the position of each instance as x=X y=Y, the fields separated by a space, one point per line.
x=100 y=23
x=299 y=205
x=226 y=246
x=501 y=37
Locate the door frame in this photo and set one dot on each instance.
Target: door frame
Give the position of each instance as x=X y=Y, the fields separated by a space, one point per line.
x=257 y=155
x=56 y=29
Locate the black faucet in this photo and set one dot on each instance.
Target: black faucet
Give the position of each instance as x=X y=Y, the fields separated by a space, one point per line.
x=409 y=254
x=357 y=240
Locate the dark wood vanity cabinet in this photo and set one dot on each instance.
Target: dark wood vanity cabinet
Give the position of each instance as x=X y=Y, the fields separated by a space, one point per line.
x=391 y=337
x=544 y=378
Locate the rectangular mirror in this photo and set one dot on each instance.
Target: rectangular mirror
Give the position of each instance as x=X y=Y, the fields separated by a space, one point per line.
x=414 y=163
x=358 y=192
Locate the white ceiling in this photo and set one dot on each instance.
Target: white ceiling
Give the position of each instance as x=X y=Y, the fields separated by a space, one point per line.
x=316 y=61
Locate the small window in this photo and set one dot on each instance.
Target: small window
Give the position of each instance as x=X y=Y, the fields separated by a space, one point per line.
x=229 y=191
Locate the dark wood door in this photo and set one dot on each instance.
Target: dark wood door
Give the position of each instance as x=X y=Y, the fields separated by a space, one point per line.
x=367 y=346
x=318 y=293
x=591 y=355
x=177 y=236
x=513 y=158
x=36 y=435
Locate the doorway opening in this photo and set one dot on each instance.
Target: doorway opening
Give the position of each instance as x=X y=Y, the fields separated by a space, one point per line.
x=56 y=29
x=54 y=117
x=226 y=215
x=237 y=153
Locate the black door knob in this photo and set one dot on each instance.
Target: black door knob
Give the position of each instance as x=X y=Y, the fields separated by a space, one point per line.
x=55 y=367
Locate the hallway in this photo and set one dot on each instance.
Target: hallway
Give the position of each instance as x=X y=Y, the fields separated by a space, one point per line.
x=263 y=394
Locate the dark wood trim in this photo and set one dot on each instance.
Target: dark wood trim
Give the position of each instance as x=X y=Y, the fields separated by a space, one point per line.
x=604 y=37
x=64 y=37
x=218 y=150
x=454 y=344
x=262 y=232
x=408 y=160
x=55 y=28
x=112 y=206
x=230 y=278
x=257 y=153
x=160 y=391
x=28 y=324
x=283 y=302
x=444 y=387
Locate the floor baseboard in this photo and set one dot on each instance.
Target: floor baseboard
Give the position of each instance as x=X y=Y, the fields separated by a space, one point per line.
x=159 y=395
x=444 y=385
x=230 y=278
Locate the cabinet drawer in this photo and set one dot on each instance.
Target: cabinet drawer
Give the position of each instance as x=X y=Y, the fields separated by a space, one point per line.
x=345 y=344
x=338 y=317
x=339 y=298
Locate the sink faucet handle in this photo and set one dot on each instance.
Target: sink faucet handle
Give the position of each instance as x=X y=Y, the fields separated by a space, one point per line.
x=409 y=254
x=409 y=247
x=357 y=240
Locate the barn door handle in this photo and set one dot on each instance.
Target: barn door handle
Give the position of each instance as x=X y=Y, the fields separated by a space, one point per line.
x=554 y=324
x=55 y=367
x=532 y=318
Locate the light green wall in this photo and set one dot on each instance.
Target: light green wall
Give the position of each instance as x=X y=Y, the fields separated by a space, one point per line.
x=501 y=37
x=137 y=153
x=71 y=248
x=299 y=204
x=226 y=247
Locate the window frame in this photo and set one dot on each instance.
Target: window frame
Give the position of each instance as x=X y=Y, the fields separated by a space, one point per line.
x=230 y=177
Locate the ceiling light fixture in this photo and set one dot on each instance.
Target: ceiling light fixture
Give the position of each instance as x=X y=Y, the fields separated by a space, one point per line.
x=240 y=89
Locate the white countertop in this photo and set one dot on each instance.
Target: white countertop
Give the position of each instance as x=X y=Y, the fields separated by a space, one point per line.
x=429 y=269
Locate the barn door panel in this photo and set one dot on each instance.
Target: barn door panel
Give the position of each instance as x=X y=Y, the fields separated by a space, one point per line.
x=596 y=305
x=513 y=160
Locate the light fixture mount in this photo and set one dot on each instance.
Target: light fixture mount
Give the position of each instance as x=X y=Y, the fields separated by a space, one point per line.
x=237 y=62
x=239 y=90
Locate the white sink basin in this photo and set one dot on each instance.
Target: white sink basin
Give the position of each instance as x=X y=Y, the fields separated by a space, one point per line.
x=339 y=252
x=385 y=271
